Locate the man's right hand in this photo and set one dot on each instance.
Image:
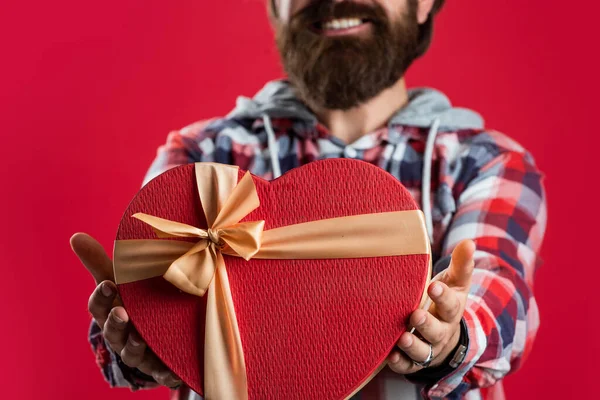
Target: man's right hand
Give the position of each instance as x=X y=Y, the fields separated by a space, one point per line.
x=105 y=307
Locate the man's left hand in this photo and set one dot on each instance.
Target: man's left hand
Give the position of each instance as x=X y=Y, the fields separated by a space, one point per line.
x=441 y=325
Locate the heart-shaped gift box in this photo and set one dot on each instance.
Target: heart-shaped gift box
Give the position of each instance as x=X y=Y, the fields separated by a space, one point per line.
x=313 y=319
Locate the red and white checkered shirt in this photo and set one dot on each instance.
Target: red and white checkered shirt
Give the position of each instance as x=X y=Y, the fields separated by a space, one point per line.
x=485 y=187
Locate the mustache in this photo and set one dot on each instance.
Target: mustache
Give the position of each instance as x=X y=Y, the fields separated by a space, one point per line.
x=318 y=12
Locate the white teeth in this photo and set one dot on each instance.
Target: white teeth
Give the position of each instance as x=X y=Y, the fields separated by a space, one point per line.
x=345 y=23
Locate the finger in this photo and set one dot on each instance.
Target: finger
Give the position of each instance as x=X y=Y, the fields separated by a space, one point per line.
x=447 y=304
x=101 y=301
x=93 y=257
x=433 y=330
x=401 y=364
x=134 y=350
x=458 y=274
x=116 y=329
x=151 y=365
x=413 y=347
x=166 y=378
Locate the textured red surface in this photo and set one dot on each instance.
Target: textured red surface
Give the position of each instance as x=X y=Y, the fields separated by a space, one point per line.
x=310 y=328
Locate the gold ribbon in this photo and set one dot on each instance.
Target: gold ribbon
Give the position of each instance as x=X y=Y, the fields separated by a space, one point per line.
x=199 y=268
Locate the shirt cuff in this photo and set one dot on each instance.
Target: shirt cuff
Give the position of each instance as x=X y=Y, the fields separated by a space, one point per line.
x=114 y=370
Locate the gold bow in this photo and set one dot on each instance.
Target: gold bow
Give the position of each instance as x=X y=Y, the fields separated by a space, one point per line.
x=193 y=271
x=199 y=268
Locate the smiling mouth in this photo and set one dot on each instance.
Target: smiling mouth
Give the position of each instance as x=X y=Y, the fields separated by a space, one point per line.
x=341 y=26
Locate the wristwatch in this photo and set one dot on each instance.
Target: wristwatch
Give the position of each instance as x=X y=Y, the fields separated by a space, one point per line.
x=461 y=349
x=433 y=375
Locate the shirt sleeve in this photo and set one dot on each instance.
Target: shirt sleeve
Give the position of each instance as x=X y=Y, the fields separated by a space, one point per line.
x=503 y=209
x=115 y=372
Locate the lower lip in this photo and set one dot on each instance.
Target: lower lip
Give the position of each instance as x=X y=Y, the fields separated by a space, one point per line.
x=346 y=31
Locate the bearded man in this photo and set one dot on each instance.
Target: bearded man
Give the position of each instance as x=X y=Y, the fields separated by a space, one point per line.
x=345 y=96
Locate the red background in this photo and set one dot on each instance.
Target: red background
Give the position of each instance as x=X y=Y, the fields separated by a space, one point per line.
x=89 y=90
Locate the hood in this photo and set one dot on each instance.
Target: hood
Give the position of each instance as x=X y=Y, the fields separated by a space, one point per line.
x=278 y=100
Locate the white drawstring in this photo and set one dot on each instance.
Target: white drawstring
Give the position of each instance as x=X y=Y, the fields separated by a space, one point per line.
x=426 y=185
x=273 y=146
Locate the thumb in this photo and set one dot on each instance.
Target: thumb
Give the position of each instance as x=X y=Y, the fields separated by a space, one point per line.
x=458 y=275
x=93 y=257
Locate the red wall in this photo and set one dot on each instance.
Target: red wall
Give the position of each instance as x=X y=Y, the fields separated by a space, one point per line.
x=89 y=90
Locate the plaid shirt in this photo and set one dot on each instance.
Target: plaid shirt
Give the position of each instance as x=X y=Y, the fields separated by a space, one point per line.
x=485 y=187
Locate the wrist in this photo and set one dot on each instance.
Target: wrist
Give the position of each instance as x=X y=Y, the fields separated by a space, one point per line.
x=446 y=354
x=432 y=375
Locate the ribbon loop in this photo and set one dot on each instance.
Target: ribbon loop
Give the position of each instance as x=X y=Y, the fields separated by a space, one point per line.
x=241 y=202
x=169 y=229
x=243 y=240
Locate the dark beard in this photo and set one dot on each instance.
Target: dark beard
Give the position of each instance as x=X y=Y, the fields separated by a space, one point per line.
x=343 y=72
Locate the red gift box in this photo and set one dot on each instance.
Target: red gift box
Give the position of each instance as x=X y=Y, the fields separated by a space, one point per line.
x=308 y=290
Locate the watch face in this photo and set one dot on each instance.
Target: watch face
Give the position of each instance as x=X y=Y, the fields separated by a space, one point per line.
x=459 y=356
